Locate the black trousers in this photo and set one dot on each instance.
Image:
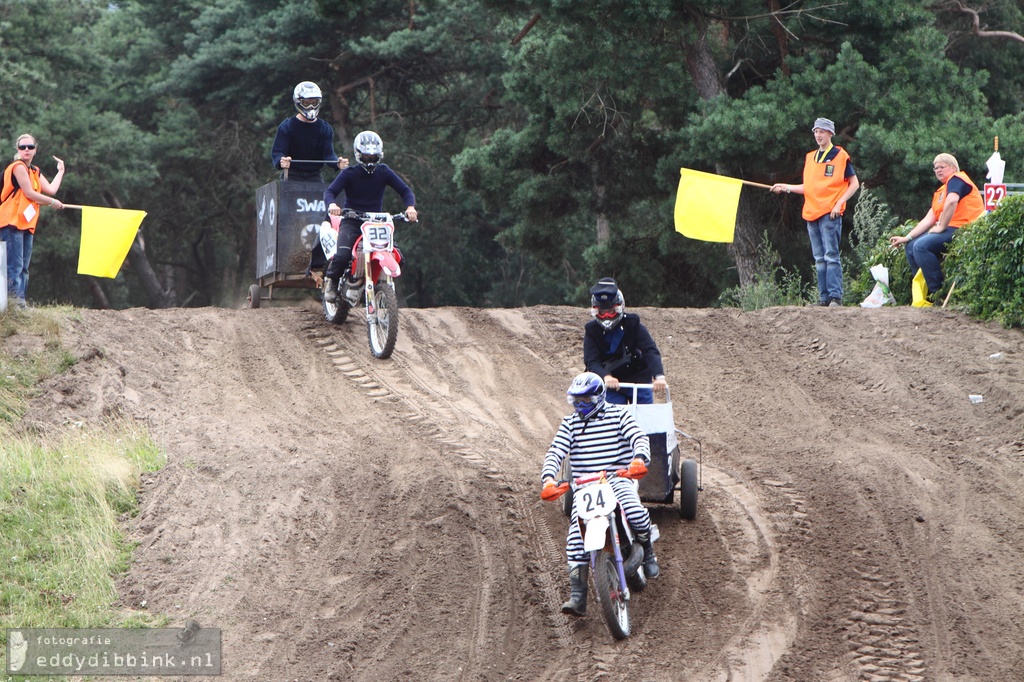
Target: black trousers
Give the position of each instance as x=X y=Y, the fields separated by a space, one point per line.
x=348 y=233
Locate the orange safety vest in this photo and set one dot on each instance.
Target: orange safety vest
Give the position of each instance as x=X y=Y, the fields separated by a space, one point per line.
x=824 y=183
x=968 y=209
x=15 y=208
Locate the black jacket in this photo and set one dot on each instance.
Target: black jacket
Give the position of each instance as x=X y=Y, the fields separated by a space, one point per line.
x=636 y=358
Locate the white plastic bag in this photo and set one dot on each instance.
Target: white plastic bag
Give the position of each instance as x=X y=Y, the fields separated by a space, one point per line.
x=880 y=294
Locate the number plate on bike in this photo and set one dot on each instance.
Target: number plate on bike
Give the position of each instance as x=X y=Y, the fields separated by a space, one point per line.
x=377 y=236
x=594 y=499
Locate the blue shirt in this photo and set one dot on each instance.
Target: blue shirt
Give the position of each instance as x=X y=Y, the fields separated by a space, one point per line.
x=313 y=141
x=365 y=191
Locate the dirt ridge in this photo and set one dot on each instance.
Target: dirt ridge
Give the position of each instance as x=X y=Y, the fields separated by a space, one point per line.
x=859 y=518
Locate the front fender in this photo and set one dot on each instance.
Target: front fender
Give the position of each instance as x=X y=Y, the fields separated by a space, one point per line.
x=388 y=263
x=596 y=534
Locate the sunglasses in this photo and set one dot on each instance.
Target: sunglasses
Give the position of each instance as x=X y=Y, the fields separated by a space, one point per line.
x=25 y=147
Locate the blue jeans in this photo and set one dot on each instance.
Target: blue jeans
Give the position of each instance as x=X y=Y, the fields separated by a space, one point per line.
x=624 y=396
x=925 y=252
x=19 y=253
x=826 y=232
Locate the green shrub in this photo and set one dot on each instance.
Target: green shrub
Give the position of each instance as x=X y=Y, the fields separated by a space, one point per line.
x=986 y=260
x=773 y=285
x=881 y=253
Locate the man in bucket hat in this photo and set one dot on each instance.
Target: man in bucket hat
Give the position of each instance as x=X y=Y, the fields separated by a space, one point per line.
x=829 y=181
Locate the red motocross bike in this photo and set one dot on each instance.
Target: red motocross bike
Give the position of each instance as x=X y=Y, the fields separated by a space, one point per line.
x=370 y=278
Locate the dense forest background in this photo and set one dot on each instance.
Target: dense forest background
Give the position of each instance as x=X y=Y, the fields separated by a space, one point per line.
x=543 y=139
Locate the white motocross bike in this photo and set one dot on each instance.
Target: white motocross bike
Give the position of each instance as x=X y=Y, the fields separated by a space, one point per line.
x=616 y=557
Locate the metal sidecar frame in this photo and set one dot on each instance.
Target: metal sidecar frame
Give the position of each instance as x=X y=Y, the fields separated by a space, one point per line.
x=669 y=472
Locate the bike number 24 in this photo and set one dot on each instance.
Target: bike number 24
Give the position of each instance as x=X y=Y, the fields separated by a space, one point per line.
x=595 y=500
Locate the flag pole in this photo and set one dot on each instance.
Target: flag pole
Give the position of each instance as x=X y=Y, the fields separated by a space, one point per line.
x=755 y=184
x=953 y=286
x=79 y=206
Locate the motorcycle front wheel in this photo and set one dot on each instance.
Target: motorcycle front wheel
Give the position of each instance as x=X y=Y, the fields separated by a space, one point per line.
x=614 y=604
x=382 y=326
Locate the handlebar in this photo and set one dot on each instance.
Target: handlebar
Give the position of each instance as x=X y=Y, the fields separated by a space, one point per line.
x=359 y=215
x=635 y=387
x=549 y=493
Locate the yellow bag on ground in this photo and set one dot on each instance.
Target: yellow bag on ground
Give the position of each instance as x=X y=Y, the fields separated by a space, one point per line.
x=919 y=291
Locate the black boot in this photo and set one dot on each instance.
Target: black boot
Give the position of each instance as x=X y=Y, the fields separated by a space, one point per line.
x=577 y=604
x=650 y=561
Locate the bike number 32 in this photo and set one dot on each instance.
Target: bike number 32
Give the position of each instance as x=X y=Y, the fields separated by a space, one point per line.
x=377 y=233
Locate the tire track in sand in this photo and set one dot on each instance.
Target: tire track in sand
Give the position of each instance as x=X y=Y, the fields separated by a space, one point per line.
x=396 y=382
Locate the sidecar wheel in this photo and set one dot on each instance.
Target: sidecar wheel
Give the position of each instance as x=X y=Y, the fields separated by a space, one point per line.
x=382 y=331
x=688 y=490
x=254 y=296
x=614 y=605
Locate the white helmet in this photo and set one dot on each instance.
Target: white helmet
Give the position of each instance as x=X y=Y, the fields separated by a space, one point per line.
x=369 y=150
x=307 y=98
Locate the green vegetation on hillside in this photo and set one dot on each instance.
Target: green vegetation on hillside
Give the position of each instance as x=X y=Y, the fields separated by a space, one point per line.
x=63 y=496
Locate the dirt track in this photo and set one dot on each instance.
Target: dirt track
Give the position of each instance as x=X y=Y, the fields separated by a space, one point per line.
x=343 y=518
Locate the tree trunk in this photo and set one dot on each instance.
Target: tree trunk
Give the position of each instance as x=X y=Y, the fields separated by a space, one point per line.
x=747 y=239
x=604 y=230
x=98 y=295
x=141 y=265
x=707 y=78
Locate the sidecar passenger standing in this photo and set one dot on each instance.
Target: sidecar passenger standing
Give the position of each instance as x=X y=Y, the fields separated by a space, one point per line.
x=598 y=436
x=618 y=347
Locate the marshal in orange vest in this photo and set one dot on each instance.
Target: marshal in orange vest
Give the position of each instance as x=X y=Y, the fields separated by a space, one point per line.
x=824 y=183
x=15 y=208
x=968 y=209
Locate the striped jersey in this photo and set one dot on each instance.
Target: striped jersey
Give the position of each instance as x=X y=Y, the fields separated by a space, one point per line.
x=608 y=440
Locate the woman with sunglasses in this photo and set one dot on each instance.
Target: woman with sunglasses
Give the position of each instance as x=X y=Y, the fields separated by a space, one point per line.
x=618 y=348
x=24 y=190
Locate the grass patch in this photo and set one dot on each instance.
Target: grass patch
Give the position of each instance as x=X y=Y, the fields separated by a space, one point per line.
x=25 y=366
x=62 y=498
x=60 y=512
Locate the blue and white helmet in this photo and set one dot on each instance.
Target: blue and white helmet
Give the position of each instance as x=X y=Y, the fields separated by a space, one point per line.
x=586 y=394
x=307 y=98
x=369 y=150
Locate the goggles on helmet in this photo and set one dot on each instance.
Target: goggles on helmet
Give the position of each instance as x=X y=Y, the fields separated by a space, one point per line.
x=369 y=158
x=606 y=313
x=581 y=400
x=309 y=101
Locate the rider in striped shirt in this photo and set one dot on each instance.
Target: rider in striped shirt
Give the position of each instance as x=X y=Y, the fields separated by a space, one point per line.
x=598 y=436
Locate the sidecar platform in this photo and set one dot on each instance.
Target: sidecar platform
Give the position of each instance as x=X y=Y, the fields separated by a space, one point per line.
x=669 y=471
x=288 y=216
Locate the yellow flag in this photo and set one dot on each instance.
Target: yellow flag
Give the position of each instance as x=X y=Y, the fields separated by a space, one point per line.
x=107 y=234
x=706 y=205
x=919 y=291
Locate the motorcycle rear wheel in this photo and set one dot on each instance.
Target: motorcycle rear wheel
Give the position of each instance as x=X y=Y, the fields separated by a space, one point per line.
x=382 y=328
x=336 y=312
x=614 y=604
